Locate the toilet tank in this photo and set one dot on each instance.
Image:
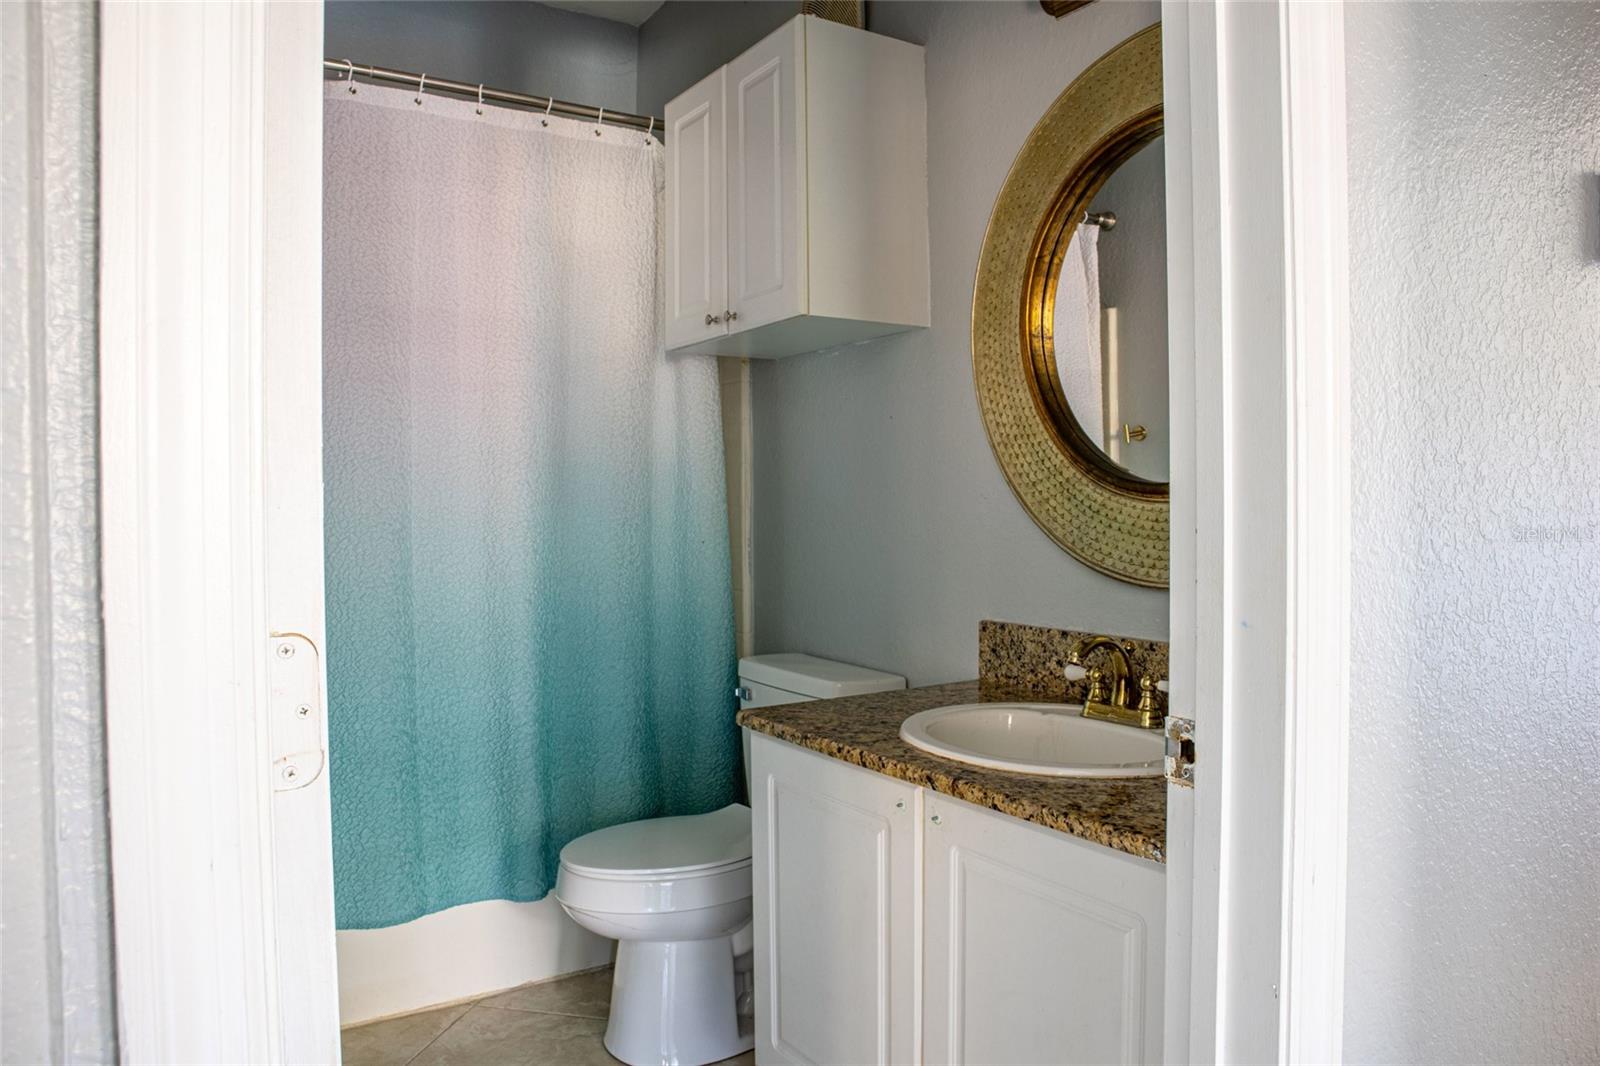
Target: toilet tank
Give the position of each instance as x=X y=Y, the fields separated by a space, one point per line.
x=788 y=677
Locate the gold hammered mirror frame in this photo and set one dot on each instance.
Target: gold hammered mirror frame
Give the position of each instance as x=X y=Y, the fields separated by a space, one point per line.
x=1099 y=513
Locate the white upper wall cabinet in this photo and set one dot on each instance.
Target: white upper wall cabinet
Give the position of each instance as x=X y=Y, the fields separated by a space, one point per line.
x=797 y=195
x=696 y=212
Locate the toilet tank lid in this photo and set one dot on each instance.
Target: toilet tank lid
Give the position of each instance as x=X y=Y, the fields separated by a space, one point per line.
x=807 y=675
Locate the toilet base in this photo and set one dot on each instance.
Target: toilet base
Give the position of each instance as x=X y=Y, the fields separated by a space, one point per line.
x=674 y=1004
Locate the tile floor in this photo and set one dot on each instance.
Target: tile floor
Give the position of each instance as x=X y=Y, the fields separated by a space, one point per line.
x=556 y=1023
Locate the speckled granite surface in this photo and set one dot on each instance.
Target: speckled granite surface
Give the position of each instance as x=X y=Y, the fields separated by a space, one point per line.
x=1129 y=814
x=1033 y=658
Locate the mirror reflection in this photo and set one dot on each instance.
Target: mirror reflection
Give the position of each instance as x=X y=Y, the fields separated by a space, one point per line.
x=1110 y=323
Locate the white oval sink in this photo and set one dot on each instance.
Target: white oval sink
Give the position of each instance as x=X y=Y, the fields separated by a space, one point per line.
x=1036 y=738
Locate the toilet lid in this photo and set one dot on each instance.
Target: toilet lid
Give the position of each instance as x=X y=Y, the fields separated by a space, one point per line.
x=657 y=846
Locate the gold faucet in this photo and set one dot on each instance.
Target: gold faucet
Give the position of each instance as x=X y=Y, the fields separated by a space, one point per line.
x=1116 y=705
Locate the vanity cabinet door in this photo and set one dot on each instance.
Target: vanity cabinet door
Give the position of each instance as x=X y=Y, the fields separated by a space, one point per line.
x=766 y=180
x=696 y=208
x=835 y=872
x=1038 y=947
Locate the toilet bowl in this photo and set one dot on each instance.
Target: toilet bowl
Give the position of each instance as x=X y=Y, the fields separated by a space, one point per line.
x=675 y=895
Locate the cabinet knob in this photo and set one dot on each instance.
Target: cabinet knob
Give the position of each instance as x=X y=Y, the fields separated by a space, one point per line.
x=733 y=316
x=712 y=320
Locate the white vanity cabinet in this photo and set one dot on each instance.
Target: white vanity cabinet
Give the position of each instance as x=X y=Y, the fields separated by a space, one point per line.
x=797 y=195
x=1038 y=946
x=836 y=909
x=898 y=925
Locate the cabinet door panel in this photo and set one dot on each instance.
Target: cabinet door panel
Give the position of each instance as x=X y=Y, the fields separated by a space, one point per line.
x=696 y=283
x=1039 y=947
x=766 y=169
x=835 y=910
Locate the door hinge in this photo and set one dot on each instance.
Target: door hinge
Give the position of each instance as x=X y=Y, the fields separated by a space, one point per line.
x=294 y=711
x=1180 y=751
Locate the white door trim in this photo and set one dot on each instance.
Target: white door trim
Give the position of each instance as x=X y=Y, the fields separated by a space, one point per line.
x=1313 y=57
x=1261 y=512
x=210 y=327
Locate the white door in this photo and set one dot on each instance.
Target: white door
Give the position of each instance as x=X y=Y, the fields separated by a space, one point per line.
x=697 y=272
x=291 y=498
x=211 y=387
x=1257 y=351
x=835 y=875
x=1038 y=947
x=766 y=175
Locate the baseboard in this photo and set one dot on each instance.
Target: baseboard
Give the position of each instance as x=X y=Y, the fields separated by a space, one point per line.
x=459 y=954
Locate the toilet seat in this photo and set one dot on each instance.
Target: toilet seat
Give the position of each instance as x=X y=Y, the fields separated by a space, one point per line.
x=664 y=847
x=657 y=895
x=659 y=866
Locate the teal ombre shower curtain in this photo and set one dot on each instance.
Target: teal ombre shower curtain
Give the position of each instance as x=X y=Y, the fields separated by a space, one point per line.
x=530 y=629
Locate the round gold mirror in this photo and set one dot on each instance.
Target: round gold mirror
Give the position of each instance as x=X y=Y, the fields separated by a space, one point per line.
x=1069 y=319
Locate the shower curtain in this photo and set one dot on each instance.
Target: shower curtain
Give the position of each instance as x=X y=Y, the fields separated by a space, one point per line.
x=1080 y=360
x=530 y=621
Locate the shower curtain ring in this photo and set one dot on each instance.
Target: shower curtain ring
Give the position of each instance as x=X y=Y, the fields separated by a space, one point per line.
x=549 y=102
x=651 y=130
x=422 y=86
x=350 y=77
x=598 y=121
x=480 y=98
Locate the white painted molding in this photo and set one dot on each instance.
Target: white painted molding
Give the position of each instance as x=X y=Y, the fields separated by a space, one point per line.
x=210 y=253
x=459 y=953
x=1318 y=351
x=1260 y=601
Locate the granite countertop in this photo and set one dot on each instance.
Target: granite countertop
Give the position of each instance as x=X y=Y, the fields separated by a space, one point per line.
x=1128 y=813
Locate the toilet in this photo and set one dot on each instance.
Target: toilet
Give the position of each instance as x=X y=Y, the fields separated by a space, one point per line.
x=675 y=895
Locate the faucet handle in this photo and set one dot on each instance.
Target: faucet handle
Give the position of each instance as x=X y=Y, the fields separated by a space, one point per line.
x=1097 y=686
x=1074 y=671
x=1147 y=693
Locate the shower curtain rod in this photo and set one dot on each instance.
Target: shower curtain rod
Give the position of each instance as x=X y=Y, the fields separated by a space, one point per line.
x=429 y=83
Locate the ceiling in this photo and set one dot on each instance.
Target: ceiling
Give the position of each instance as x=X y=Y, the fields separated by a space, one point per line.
x=633 y=12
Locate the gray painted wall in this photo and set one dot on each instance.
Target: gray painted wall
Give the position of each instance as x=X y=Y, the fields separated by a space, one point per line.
x=508 y=44
x=1474 y=881
x=56 y=989
x=884 y=530
x=688 y=39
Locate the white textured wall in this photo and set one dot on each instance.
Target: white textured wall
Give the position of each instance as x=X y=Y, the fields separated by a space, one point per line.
x=884 y=530
x=1474 y=904
x=55 y=906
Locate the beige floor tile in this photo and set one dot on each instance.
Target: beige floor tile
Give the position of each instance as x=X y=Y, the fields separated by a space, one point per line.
x=396 y=1041
x=491 y=1036
x=747 y=1059
x=587 y=995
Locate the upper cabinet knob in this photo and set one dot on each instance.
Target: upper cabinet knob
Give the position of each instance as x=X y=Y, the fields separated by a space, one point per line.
x=712 y=320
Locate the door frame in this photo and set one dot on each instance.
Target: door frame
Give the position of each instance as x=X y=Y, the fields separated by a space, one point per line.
x=211 y=530
x=1259 y=310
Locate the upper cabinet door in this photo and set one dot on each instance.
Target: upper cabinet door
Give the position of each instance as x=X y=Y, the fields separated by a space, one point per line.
x=697 y=274
x=766 y=174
